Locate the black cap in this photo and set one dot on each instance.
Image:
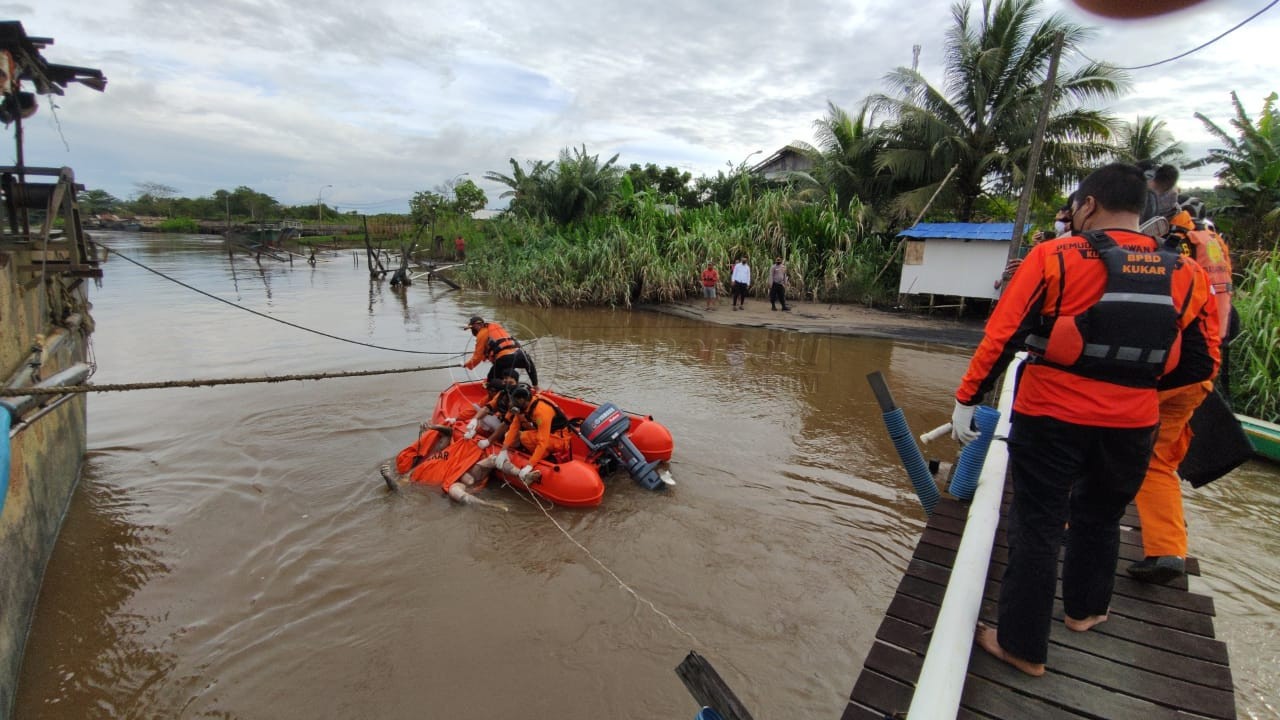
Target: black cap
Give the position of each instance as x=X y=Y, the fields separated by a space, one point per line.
x=475 y=319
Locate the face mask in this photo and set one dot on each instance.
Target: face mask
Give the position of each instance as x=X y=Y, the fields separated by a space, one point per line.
x=1071 y=222
x=1059 y=227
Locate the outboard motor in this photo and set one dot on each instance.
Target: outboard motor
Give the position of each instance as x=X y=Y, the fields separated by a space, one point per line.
x=605 y=431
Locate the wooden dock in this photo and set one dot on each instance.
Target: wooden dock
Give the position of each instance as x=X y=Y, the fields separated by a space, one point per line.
x=1155 y=657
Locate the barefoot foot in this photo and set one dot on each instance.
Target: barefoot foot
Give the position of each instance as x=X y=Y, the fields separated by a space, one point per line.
x=986 y=639
x=389 y=476
x=1085 y=624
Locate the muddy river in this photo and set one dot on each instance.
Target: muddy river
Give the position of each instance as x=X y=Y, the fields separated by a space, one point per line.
x=232 y=552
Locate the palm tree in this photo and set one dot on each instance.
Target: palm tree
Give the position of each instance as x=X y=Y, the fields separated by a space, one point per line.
x=844 y=160
x=1251 y=167
x=524 y=186
x=983 y=118
x=580 y=185
x=570 y=189
x=1147 y=138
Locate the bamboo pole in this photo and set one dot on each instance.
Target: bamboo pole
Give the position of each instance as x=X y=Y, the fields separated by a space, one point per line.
x=923 y=210
x=1037 y=144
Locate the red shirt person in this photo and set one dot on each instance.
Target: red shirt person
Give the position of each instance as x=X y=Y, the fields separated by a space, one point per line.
x=710 y=282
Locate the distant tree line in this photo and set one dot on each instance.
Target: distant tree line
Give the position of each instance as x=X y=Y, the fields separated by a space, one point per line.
x=159 y=200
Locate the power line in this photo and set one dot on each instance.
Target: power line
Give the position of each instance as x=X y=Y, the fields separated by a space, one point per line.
x=264 y=315
x=1198 y=48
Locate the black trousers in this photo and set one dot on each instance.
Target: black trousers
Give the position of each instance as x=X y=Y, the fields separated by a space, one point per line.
x=778 y=295
x=739 y=293
x=517 y=359
x=1072 y=480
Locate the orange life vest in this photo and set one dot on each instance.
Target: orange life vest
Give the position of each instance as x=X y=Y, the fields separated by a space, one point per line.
x=499 y=342
x=1204 y=245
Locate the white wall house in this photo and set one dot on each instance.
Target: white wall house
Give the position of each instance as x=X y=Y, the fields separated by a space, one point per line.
x=960 y=259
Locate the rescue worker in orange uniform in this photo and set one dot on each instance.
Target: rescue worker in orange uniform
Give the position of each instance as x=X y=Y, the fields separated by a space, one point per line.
x=495 y=345
x=1196 y=236
x=1100 y=313
x=539 y=427
x=1159 y=501
x=497 y=403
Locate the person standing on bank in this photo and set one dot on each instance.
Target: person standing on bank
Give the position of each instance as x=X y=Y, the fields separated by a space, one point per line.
x=741 y=278
x=778 y=285
x=710 y=281
x=494 y=344
x=1100 y=312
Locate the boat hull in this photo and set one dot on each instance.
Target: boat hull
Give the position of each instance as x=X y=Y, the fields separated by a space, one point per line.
x=572 y=483
x=45 y=455
x=1263 y=435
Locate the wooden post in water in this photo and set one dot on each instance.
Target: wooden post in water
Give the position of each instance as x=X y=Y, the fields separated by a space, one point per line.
x=709 y=689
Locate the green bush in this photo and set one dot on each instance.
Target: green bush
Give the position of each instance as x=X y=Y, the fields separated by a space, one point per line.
x=649 y=252
x=1255 y=352
x=179 y=225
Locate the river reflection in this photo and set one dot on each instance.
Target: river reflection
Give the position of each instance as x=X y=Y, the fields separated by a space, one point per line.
x=232 y=553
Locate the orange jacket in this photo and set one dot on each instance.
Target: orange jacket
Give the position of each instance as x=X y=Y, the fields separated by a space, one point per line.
x=492 y=342
x=541 y=413
x=710 y=278
x=1064 y=277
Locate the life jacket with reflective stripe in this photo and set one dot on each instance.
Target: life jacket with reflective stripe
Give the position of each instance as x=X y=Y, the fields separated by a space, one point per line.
x=1210 y=250
x=1130 y=335
x=500 y=343
x=1203 y=244
x=558 y=423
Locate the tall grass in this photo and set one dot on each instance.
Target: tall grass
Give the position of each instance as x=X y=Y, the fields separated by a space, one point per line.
x=646 y=252
x=1255 y=352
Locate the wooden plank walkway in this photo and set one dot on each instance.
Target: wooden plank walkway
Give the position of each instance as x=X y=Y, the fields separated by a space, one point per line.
x=1155 y=657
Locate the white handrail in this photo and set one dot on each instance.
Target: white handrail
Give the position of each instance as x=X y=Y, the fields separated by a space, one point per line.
x=941 y=679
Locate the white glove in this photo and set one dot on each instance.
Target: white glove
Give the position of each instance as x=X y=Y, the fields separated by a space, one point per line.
x=450 y=420
x=484 y=443
x=501 y=461
x=524 y=472
x=471 y=430
x=962 y=423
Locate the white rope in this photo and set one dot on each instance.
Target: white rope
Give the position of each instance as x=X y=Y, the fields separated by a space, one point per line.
x=674 y=625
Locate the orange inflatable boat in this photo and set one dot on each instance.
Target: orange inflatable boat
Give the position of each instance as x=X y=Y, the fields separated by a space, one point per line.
x=606 y=439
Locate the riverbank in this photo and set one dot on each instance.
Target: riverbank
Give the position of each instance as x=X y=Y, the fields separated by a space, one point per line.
x=830 y=318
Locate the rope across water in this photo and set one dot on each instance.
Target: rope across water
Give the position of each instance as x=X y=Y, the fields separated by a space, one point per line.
x=210 y=382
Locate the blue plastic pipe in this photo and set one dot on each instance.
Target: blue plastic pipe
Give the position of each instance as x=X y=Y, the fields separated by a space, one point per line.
x=964 y=481
x=912 y=459
x=5 y=422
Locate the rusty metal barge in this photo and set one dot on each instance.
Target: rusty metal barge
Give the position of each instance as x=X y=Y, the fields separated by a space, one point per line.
x=46 y=261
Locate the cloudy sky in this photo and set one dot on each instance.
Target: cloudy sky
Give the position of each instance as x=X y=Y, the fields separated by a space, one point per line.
x=381 y=98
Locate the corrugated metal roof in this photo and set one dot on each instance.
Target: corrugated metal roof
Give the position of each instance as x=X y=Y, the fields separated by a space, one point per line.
x=961 y=231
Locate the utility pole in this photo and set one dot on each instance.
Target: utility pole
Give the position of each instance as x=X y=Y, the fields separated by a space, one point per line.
x=1037 y=143
x=915 y=57
x=320 y=205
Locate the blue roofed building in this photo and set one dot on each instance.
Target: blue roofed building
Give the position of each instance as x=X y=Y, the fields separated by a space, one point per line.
x=957 y=259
